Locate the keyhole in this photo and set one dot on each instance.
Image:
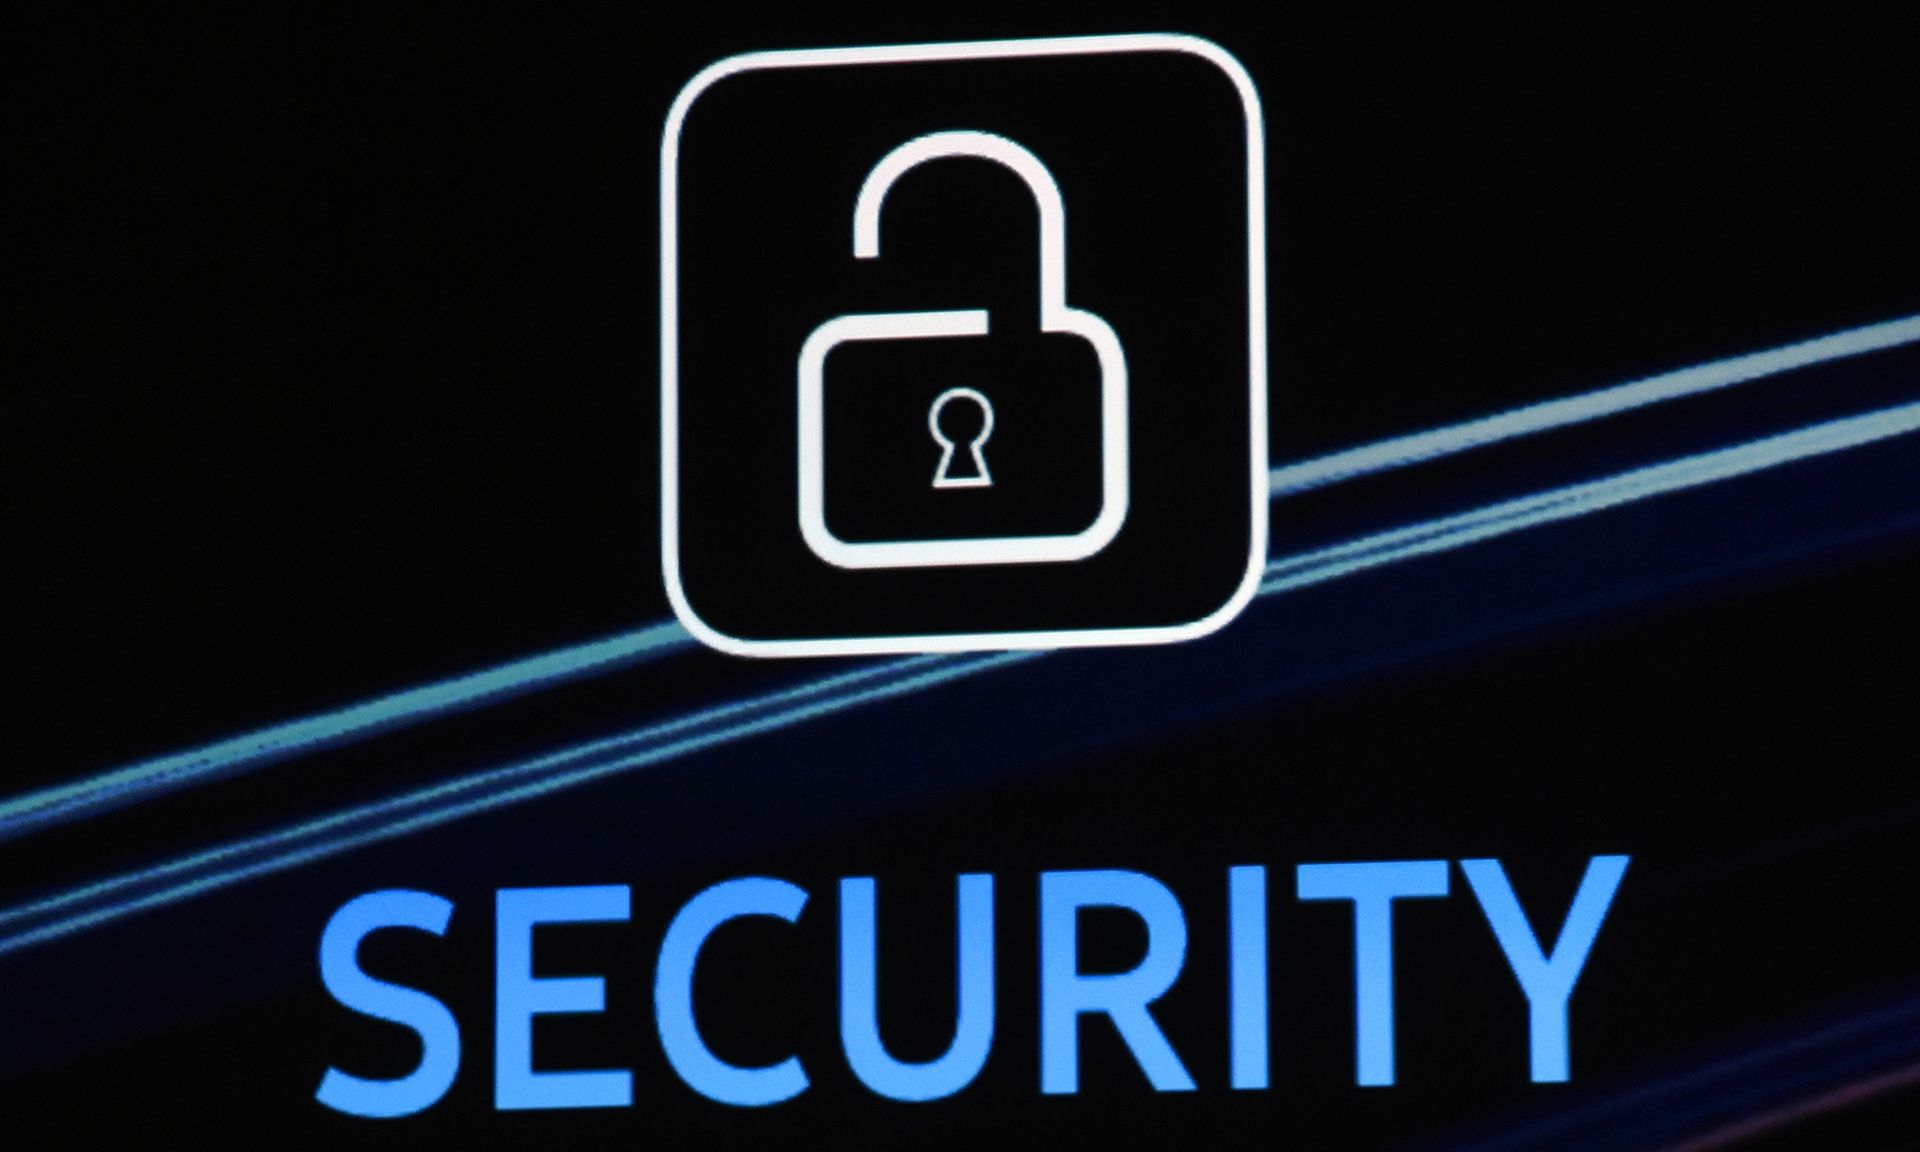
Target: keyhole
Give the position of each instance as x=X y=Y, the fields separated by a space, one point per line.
x=962 y=417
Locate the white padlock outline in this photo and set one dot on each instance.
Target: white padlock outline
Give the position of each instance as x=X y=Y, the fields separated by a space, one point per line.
x=1055 y=316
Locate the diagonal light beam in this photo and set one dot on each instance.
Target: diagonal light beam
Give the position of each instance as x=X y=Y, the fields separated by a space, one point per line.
x=1548 y=415
x=37 y=922
x=146 y=779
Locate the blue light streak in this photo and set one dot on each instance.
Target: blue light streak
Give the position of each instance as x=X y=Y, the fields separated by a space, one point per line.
x=1450 y=532
x=90 y=905
x=147 y=779
x=1548 y=415
x=308 y=841
x=150 y=778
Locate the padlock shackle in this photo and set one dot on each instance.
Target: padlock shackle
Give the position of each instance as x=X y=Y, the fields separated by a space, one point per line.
x=983 y=146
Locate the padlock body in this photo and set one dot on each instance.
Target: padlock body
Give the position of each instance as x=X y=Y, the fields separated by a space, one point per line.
x=1042 y=453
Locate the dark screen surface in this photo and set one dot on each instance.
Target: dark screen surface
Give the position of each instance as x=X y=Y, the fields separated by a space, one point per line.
x=335 y=385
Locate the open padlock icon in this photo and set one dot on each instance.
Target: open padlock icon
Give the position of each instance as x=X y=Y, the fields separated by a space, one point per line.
x=1055 y=317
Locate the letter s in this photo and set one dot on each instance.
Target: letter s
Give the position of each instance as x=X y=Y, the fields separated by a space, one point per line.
x=439 y=1034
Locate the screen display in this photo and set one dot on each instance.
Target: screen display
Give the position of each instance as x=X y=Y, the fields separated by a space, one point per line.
x=866 y=577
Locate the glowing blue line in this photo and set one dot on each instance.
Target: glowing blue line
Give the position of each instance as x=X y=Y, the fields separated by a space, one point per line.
x=191 y=875
x=501 y=787
x=148 y=778
x=1451 y=532
x=1452 y=439
x=718 y=715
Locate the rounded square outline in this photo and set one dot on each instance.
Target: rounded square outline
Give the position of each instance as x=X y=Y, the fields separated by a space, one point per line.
x=962 y=50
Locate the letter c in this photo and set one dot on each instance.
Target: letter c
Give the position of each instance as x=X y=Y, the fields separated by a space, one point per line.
x=704 y=1072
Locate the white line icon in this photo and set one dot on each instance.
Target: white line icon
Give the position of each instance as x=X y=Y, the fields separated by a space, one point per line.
x=680 y=577
x=1055 y=316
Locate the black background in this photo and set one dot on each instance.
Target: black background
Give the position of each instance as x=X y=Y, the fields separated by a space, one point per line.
x=334 y=370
